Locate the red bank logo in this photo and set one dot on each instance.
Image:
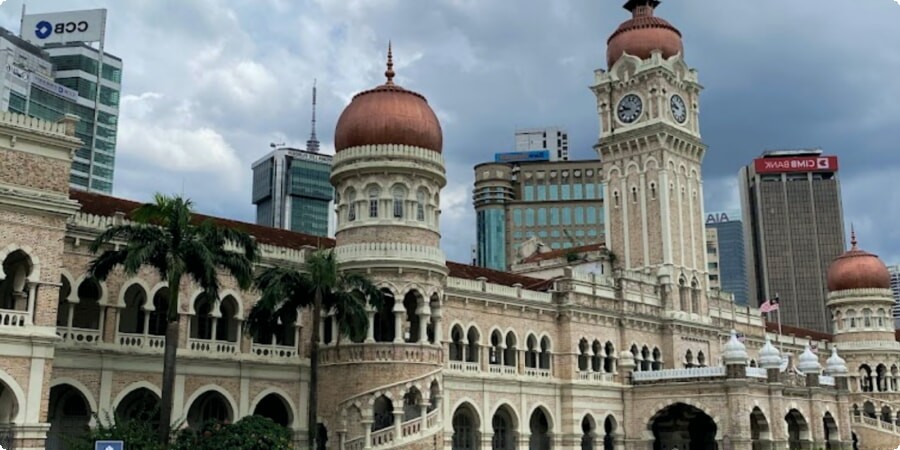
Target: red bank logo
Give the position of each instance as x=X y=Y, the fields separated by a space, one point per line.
x=796 y=164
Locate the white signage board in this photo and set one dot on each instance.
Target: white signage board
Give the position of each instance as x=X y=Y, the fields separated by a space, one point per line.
x=62 y=27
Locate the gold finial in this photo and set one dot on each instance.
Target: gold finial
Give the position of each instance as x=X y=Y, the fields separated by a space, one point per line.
x=852 y=237
x=389 y=73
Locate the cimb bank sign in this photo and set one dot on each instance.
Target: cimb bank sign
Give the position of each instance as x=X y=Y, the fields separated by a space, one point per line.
x=62 y=27
x=796 y=164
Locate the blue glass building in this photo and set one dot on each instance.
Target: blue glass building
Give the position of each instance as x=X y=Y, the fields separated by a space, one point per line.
x=731 y=267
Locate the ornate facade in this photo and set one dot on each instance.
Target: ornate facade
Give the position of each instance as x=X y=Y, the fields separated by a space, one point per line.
x=625 y=349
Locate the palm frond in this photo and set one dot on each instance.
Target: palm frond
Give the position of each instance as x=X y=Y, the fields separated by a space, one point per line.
x=103 y=265
x=350 y=314
x=200 y=264
x=283 y=291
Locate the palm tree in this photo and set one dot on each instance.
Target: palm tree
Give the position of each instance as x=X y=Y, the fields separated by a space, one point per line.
x=322 y=286
x=165 y=238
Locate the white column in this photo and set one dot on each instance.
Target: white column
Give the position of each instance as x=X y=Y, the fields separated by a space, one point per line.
x=424 y=319
x=398 y=322
x=398 y=422
x=215 y=323
x=334 y=330
x=32 y=293
x=367 y=424
x=71 y=315
x=370 y=332
x=464 y=350
x=438 y=335
x=423 y=408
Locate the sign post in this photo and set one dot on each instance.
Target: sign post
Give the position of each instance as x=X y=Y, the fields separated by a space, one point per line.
x=109 y=445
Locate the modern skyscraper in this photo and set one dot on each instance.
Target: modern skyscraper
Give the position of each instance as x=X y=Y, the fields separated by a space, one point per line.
x=553 y=139
x=727 y=264
x=560 y=203
x=93 y=80
x=791 y=205
x=292 y=188
x=895 y=290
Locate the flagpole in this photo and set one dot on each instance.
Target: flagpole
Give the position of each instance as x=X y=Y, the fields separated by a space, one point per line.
x=778 y=316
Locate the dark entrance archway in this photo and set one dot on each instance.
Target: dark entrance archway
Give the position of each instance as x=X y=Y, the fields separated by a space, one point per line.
x=69 y=416
x=683 y=426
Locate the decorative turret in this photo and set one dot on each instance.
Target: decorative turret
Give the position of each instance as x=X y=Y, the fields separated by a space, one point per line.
x=736 y=357
x=808 y=362
x=643 y=34
x=770 y=359
x=835 y=365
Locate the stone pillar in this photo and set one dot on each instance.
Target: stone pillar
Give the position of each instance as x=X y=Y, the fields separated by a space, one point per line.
x=398 y=322
x=370 y=332
x=773 y=375
x=423 y=410
x=214 y=329
x=464 y=351
x=367 y=424
x=736 y=371
x=812 y=380
x=501 y=355
x=436 y=315
x=32 y=293
x=335 y=331
x=424 y=319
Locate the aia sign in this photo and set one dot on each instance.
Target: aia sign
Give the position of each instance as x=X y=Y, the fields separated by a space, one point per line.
x=796 y=164
x=716 y=218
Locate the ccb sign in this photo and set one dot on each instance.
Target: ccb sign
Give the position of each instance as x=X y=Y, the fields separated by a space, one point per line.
x=58 y=28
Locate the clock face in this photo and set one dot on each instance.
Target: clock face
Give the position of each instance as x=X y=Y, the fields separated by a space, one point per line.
x=679 y=110
x=630 y=108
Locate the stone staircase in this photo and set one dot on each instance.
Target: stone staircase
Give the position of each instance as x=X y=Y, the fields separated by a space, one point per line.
x=874 y=433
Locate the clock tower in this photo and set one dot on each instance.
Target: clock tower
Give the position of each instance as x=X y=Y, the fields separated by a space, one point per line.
x=648 y=104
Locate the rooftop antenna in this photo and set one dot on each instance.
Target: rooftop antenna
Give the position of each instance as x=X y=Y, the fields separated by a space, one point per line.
x=312 y=144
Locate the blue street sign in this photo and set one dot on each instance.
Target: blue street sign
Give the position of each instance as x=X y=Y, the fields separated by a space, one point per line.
x=43 y=29
x=109 y=445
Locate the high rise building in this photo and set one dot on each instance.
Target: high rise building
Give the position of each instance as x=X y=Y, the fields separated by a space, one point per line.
x=727 y=264
x=92 y=78
x=791 y=205
x=895 y=291
x=559 y=203
x=553 y=139
x=292 y=188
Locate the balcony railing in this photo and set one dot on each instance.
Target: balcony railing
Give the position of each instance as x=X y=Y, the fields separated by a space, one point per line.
x=756 y=372
x=596 y=376
x=826 y=380
x=537 y=373
x=274 y=351
x=11 y=318
x=503 y=370
x=79 y=335
x=675 y=374
x=147 y=341
x=465 y=366
x=210 y=346
x=380 y=352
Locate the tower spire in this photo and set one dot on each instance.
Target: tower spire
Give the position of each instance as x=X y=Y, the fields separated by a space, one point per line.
x=852 y=237
x=312 y=144
x=389 y=73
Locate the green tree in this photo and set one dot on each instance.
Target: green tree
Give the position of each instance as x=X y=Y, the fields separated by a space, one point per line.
x=165 y=238
x=321 y=286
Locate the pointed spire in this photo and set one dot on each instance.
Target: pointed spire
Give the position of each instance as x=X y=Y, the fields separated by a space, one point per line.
x=389 y=73
x=312 y=144
x=852 y=238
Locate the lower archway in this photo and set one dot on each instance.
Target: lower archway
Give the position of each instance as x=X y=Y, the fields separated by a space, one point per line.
x=69 y=416
x=832 y=437
x=798 y=429
x=465 y=428
x=211 y=405
x=504 y=426
x=274 y=407
x=140 y=404
x=683 y=426
x=759 y=430
x=609 y=430
x=539 y=424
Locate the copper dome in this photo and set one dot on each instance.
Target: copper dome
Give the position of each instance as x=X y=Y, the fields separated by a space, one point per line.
x=642 y=34
x=857 y=269
x=388 y=114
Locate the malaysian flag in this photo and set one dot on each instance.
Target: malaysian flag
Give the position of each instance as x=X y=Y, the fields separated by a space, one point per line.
x=814 y=347
x=769 y=305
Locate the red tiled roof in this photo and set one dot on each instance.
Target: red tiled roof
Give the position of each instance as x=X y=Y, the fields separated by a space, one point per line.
x=561 y=253
x=103 y=205
x=772 y=327
x=495 y=276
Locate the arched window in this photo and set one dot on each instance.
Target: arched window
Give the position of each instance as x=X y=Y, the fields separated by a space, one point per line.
x=636 y=354
x=509 y=357
x=683 y=295
x=399 y=195
x=531 y=354
x=851 y=318
x=456 y=344
x=374 y=192
x=657 y=360
x=544 y=362
x=701 y=359
x=351 y=205
x=695 y=296
x=646 y=359
x=616 y=199
x=880 y=317
x=583 y=356
x=867 y=318
x=497 y=347
x=421 y=195
x=472 y=351
x=653 y=191
x=609 y=360
x=688 y=359
x=597 y=359
x=382 y=413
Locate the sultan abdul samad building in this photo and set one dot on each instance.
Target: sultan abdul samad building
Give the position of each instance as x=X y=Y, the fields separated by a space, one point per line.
x=638 y=355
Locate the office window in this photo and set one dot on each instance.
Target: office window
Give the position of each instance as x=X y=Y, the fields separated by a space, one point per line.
x=589 y=191
x=554 y=233
x=529 y=193
x=529 y=217
x=554 y=192
x=517 y=235
x=542 y=193
x=579 y=233
x=542 y=234
x=579 y=216
x=542 y=216
x=591 y=215
x=566 y=192
x=567 y=216
x=579 y=191
x=555 y=246
x=592 y=232
x=517 y=217
x=554 y=216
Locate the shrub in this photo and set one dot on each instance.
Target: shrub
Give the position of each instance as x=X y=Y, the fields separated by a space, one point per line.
x=249 y=433
x=138 y=434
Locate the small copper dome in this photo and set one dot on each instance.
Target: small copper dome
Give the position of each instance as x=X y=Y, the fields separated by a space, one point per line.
x=642 y=34
x=857 y=269
x=388 y=114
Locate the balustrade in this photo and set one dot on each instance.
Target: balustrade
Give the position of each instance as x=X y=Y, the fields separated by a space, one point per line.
x=537 y=373
x=274 y=351
x=757 y=372
x=674 y=374
x=596 y=376
x=208 y=346
x=387 y=352
x=11 y=318
x=826 y=380
x=79 y=335
x=464 y=366
x=133 y=340
x=382 y=437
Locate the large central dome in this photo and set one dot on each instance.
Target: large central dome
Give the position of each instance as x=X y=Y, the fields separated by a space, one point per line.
x=388 y=114
x=857 y=269
x=642 y=34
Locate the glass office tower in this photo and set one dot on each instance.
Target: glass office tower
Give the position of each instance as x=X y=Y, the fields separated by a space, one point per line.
x=291 y=190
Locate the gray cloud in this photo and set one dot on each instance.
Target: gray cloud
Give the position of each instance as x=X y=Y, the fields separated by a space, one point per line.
x=208 y=84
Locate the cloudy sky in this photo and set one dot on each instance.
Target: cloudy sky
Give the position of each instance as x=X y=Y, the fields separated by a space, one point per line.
x=208 y=84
